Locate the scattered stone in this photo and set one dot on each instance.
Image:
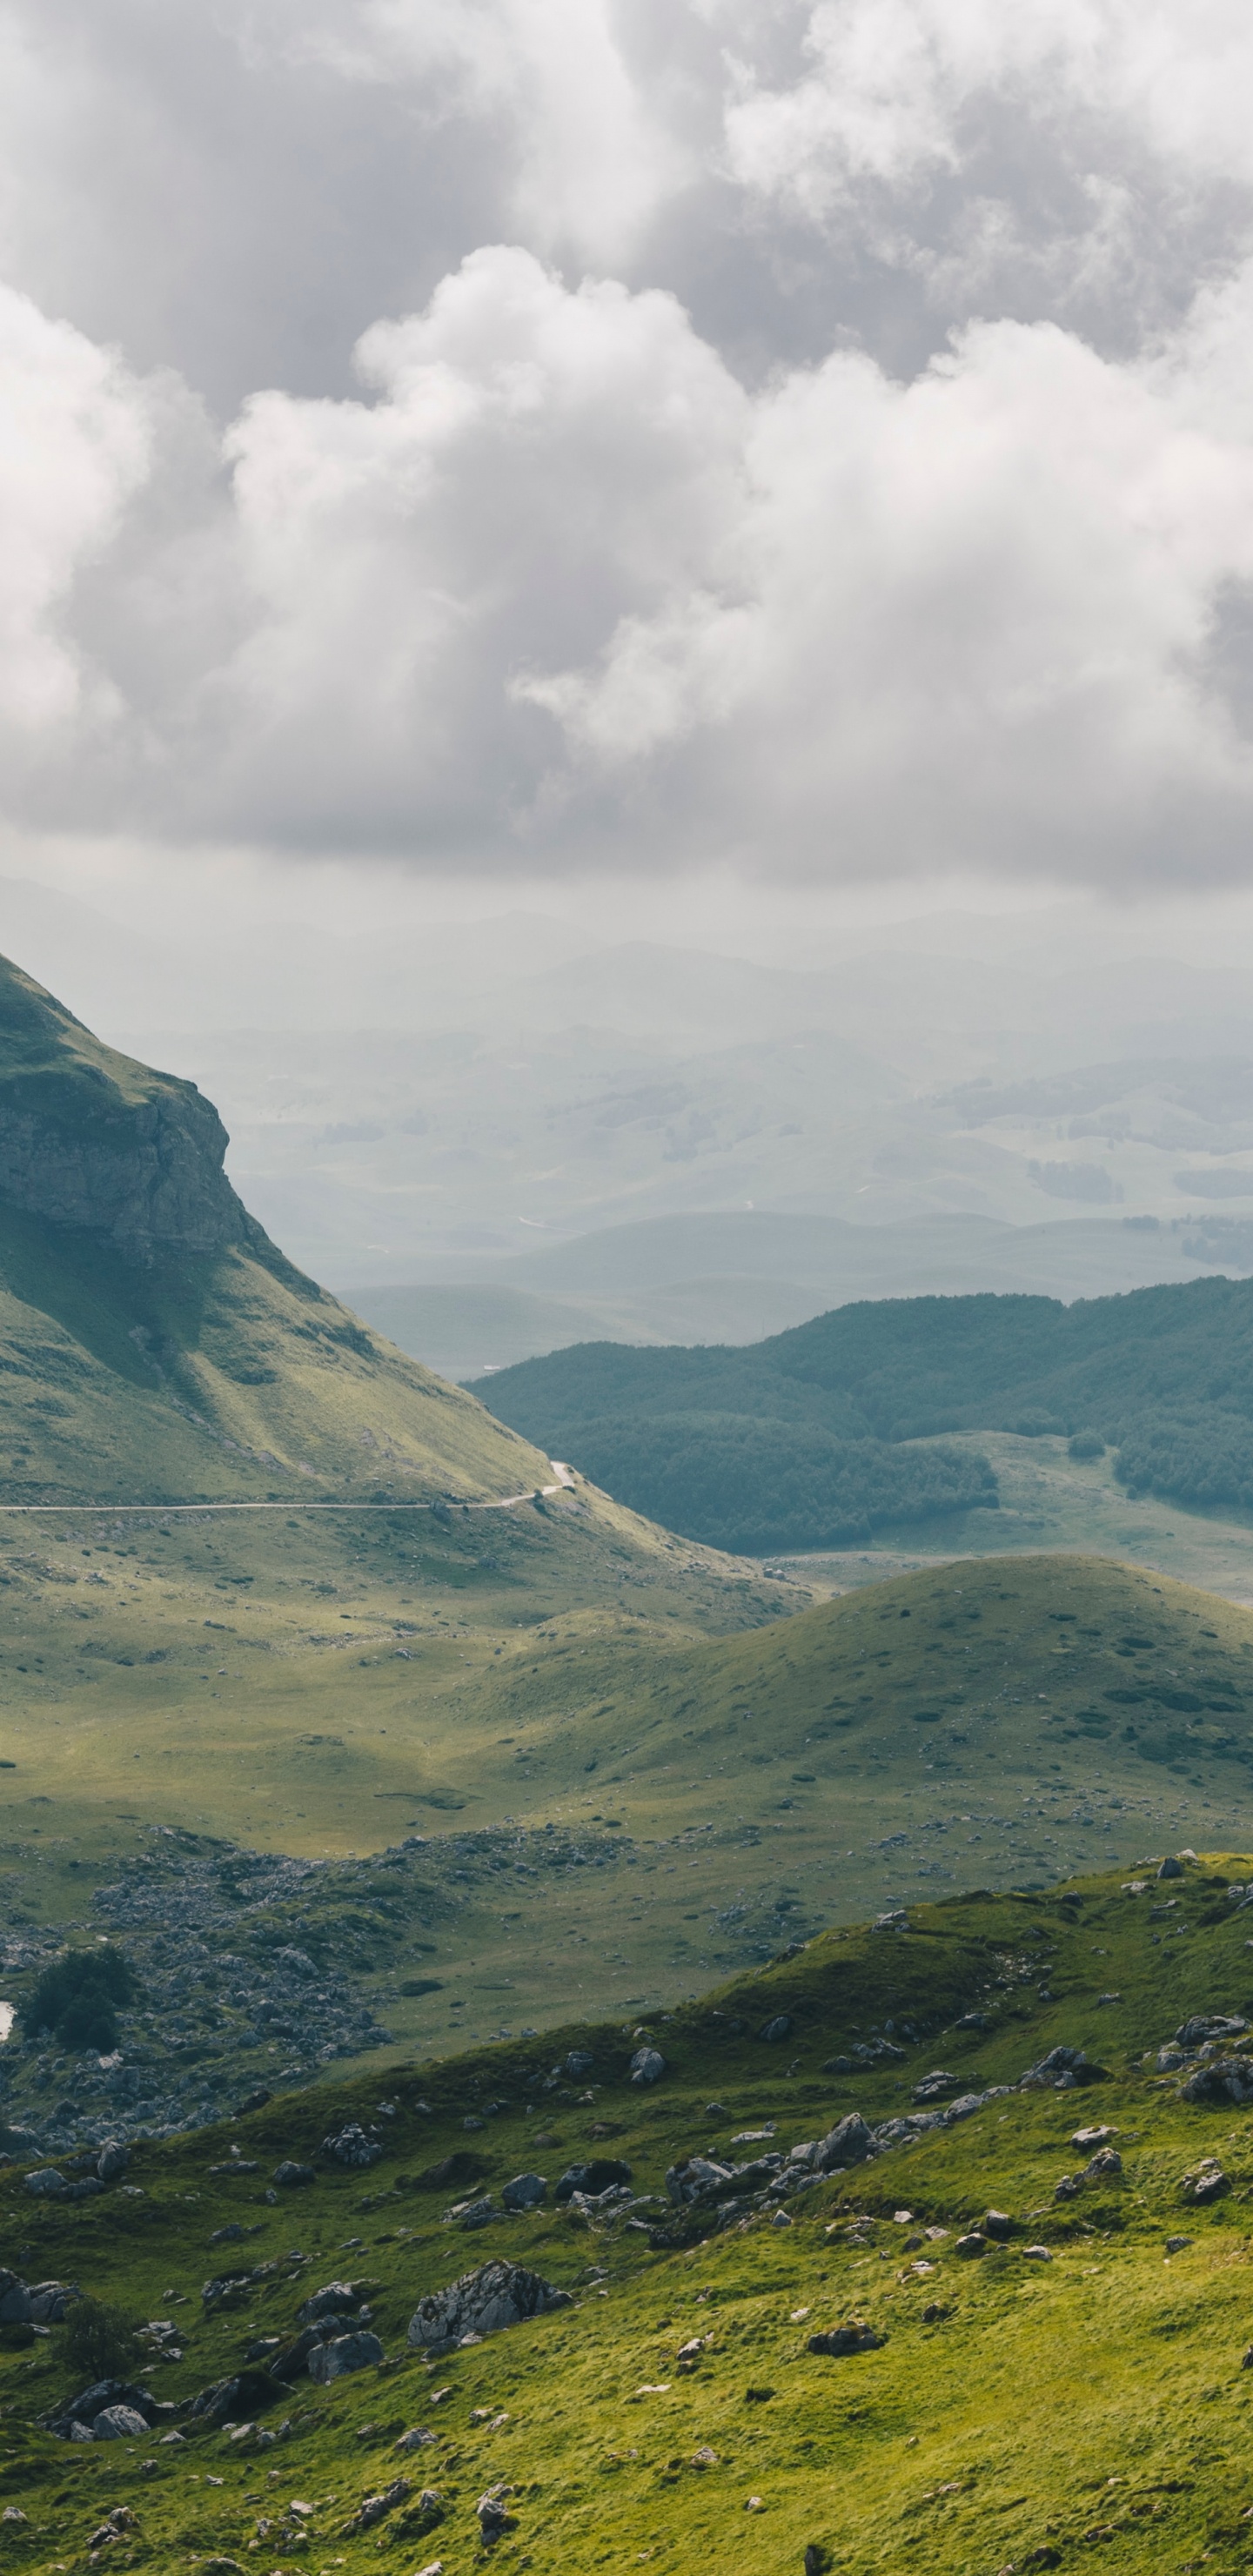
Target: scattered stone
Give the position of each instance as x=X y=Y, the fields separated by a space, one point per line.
x=1207 y=2183
x=119 y=2424
x=526 y=2191
x=896 y=1921
x=1104 y=2165
x=359 y=2351
x=647 y=2066
x=579 y=2065
x=337 y=2297
x=47 y=2183
x=971 y=2245
x=704 y=2457
x=482 y=2303
x=780 y=2219
x=254 y=2101
x=372 y=2508
x=934 y=2312
x=1176 y=2244
x=1036 y=2254
x=778 y=2028
x=933 y=2087
x=293 y=2177
x=120 y=2520
x=350 y=2146
x=839 y=2340
x=1093 y=2137
x=112 y=2160
x=1068 y=2187
x=416 y=2440
x=998 y=2225
x=243 y=2395
x=1062 y=2069
x=1203 y=2026
x=494 y=2516
x=471 y=2213
x=1170 y=1867
x=591 y=2178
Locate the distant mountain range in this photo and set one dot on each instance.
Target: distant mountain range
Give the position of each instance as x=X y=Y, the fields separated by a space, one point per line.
x=819 y=1436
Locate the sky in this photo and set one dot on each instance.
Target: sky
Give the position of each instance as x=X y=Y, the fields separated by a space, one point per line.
x=628 y=443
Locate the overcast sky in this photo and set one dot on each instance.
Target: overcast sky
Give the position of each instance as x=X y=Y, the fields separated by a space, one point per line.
x=508 y=439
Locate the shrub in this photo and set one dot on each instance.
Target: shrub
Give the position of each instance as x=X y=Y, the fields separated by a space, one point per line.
x=1087 y=1444
x=97 y=2342
x=77 y=1998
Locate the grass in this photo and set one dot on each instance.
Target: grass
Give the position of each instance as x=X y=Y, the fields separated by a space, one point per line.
x=1048 y=2408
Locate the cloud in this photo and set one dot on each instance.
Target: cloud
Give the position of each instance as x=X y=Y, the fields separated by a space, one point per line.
x=820 y=435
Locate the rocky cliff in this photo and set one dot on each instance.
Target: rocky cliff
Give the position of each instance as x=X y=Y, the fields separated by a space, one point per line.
x=92 y=1140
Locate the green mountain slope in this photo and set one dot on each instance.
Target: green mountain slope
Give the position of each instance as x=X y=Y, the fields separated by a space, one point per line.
x=581 y=1804
x=154 y=1345
x=1071 y=2383
x=822 y=1435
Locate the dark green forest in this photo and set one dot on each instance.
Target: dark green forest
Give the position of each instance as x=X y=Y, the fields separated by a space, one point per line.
x=809 y=1439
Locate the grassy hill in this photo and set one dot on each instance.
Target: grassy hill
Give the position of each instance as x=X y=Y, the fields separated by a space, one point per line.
x=1010 y=2407
x=820 y=1436
x=526 y=1782
x=154 y=1344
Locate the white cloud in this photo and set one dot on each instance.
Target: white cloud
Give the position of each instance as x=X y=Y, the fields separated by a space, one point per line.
x=74 y=449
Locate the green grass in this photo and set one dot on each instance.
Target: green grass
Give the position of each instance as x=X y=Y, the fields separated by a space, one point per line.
x=360 y=1682
x=1098 y=2398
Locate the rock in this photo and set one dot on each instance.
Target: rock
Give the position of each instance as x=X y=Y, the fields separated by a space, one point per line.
x=337 y=2298
x=51 y=2301
x=1204 y=2026
x=112 y=2160
x=848 y=2143
x=13 y=2513
x=647 y=2066
x=494 y=2516
x=1036 y=2254
x=1176 y=2244
x=972 y=2244
x=350 y=2146
x=47 y=2183
x=839 y=2340
x=934 y=2086
x=347 y=2352
x=254 y=2101
x=998 y=2225
x=1224 y=2079
x=579 y=2065
x=244 y=2393
x=120 y=2520
x=416 y=2440
x=1168 y=2059
x=1104 y=2165
x=294 y=2362
x=1209 y=2182
x=526 y=2191
x=373 y=2507
x=1063 y=2069
x=817 y=2560
x=293 y=2177
x=780 y=2219
x=1170 y=1867
x=85 y=2189
x=1092 y=2137
x=90 y=2403
x=483 y=2302
x=119 y=2424
x=1068 y=2187
x=474 y=2213
x=779 y=2028
x=592 y=2178
x=896 y=1921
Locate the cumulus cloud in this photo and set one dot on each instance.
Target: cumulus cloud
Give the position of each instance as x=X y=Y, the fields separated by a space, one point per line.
x=537 y=571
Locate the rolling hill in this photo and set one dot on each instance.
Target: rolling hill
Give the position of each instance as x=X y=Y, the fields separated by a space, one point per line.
x=819 y=1436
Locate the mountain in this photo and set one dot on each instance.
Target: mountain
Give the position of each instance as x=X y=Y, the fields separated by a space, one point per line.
x=933 y=2233
x=820 y=1435
x=154 y=1344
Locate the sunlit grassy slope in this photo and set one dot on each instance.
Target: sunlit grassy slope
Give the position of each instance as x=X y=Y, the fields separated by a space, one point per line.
x=327 y=1687
x=1016 y=2413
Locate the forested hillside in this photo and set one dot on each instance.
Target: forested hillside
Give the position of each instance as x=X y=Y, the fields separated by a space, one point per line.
x=811 y=1439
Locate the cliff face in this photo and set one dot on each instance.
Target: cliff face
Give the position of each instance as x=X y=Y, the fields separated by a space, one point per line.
x=90 y=1139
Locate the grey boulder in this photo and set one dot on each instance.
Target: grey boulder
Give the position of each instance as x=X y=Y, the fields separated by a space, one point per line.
x=119 y=2424
x=647 y=2066
x=329 y=2302
x=350 y=2146
x=46 y=2184
x=483 y=2303
x=526 y=2191
x=112 y=2160
x=840 y=2340
x=347 y=2352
